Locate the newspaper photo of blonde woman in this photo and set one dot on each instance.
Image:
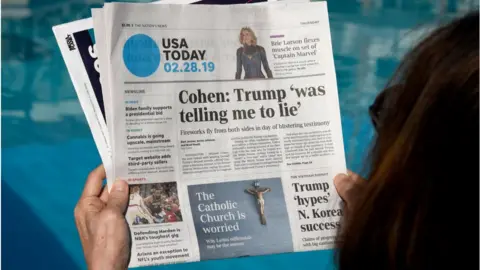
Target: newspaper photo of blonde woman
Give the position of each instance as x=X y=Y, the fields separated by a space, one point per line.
x=251 y=57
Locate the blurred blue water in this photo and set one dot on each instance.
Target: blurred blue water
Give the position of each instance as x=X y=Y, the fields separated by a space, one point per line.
x=47 y=148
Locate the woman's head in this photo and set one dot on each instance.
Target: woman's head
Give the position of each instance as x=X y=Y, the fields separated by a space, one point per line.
x=424 y=156
x=134 y=189
x=247 y=37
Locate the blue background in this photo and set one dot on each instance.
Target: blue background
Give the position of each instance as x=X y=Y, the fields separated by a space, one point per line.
x=47 y=148
x=274 y=237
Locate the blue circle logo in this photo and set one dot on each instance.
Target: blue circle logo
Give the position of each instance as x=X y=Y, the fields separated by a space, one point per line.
x=141 y=55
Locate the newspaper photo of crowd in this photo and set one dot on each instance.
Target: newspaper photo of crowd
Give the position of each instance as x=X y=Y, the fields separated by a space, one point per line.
x=153 y=204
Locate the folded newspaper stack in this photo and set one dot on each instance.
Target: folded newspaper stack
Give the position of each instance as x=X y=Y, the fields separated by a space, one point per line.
x=224 y=120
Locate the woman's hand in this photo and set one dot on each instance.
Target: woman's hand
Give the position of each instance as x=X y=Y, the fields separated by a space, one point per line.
x=349 y=187
x=100 y=220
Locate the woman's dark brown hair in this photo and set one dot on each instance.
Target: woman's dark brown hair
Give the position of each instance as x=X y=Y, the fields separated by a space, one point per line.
x=416 y=211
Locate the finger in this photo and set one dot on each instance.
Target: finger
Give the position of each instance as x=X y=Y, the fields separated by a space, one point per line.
x=104 y=194
x=93 y=186
x=356 y=177
x=118 y=197
x=86 y=208
x=343 y=184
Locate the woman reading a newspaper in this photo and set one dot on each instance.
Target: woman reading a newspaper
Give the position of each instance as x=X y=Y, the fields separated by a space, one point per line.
x=409 y=213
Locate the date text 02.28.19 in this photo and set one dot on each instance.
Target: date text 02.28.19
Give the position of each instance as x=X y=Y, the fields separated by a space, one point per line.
x=189 y=67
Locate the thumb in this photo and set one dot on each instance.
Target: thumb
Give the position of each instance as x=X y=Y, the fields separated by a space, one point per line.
x=118 y=197
x=344 y=185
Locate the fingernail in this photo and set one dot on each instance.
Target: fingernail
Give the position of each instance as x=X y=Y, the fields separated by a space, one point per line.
x=119 y=185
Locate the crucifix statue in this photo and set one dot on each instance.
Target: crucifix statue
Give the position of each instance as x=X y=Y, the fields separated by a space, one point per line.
x=258 y=192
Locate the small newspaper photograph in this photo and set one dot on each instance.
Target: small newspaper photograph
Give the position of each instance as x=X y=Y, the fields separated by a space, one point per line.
x=223 y=119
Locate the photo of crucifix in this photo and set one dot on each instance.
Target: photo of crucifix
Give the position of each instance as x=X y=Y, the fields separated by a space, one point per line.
x=258 y=192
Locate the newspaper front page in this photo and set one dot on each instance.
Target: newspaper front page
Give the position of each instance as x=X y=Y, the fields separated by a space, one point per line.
x=226 y=124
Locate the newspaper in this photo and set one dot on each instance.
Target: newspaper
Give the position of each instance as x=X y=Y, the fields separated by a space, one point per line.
x=221 y=163
x=77 y=45
x=81 y=54
x=225 y=121
x=99 y=17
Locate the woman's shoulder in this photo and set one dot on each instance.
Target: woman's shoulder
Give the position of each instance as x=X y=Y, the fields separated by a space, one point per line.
x=260 y=48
